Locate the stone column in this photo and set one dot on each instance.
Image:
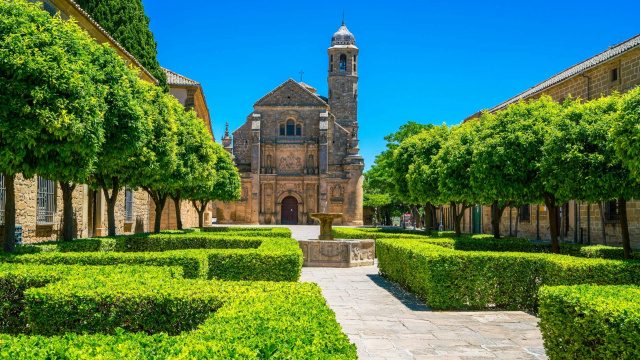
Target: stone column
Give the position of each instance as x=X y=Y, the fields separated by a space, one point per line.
x=254 y=199
x=323 y=162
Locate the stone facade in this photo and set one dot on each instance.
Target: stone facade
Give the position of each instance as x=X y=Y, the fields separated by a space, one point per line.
x=616 y=69
x=297 y=152
x=90 y=212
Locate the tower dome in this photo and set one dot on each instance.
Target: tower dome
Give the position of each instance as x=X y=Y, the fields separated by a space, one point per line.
x=343 y=37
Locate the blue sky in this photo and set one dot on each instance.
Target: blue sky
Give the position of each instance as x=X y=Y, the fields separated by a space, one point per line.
x=429 y=62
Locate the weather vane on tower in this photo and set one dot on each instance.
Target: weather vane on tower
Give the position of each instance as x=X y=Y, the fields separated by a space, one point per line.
x=301 y=73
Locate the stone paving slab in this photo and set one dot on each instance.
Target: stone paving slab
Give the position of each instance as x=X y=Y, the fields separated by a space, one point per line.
x=387 y=323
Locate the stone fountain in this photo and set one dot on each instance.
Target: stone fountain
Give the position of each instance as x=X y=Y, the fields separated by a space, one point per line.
x=327 y=252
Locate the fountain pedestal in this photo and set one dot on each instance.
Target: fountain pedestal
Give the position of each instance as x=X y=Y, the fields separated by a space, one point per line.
x=326 y=224
x=327 y=252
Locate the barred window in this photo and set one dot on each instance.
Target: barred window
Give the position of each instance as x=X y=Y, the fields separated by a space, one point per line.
x=290 y=128
x=3 y=198
x=611 y=214
x=128 y=205
x=49 y=8
x=46 y=201
x=525 y=213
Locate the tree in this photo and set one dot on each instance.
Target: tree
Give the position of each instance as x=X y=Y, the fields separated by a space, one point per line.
x=224 y=186
x=422 y=174
x=453 y=163
x=127 y=23
x=507 y=159
x=627 y=131
x=196 y=158
x=157 y=165
x=50 y=107
x=583 y=145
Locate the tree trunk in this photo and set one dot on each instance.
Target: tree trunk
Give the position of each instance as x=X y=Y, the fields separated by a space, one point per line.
x=111 y=203
x=604 y=233
x=457 y=216
x=67 y=210
x=518 y=219
x=427 y=218
x=176 y=202
x=624 y=224
x=9 y=214
x=495 y=219
x=550 y=202
x=200 y=212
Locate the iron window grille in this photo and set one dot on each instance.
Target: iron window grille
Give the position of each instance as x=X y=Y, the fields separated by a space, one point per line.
x=611 y=213
x=525 y=213
x=128 y=205
x=3 y=198
x=49 y=8
x=46 y=201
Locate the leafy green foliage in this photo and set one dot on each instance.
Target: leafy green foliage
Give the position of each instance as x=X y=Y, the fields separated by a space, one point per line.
x=452 y=279
x=222 y=320
x=271 y=256
x=127 y=23
x=48 y=83
x=627 y=131
x=590 y=322
x=422 y=175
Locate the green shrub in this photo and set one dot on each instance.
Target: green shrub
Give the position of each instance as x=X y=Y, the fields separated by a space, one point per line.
x=590 y=322
x=228 y=320
x=145 y=303
x=452 y=279
x=204 y=256
x=194 y=263
x=250 y=231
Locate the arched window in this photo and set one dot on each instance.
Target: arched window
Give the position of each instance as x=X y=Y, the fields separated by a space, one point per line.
x=355 y=59
x=343 y=62
x=298 y=130
x=281 y=129
x=291 y=127
x=331 y=63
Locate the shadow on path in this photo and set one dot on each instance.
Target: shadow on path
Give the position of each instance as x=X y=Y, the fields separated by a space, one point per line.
x=407 y=299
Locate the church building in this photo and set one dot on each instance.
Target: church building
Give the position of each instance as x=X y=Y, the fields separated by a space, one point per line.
x=297 y=152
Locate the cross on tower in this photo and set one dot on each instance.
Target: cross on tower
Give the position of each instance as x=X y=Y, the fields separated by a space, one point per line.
x=301 y=73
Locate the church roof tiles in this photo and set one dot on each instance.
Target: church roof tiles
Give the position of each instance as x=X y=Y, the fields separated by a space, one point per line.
x=577 y=69
x=179 y=80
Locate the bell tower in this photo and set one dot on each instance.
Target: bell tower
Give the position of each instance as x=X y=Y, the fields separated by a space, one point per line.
x=343 y=79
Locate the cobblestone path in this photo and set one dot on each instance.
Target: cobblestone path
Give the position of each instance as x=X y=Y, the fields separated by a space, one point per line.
x=386 y=322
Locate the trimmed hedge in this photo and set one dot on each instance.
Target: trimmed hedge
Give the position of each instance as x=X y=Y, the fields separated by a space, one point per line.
x=452 y=279
x=250 y=231
x=206 y=256
x=590 y=322
x=194 y=263
x=216 y=320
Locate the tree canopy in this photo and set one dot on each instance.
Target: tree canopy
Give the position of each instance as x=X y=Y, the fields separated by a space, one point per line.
x=127 y=23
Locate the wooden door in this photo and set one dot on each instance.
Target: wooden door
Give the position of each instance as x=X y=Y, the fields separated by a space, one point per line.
x=289 y=210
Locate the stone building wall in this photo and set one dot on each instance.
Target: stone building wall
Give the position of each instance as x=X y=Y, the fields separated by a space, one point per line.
x=187 y=212
x=26 y=191
x=588 y=226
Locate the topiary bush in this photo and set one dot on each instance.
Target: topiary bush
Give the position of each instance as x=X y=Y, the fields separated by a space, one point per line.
x=452 y=279
x=124 y=312
x=201 y=255
x=590 y=322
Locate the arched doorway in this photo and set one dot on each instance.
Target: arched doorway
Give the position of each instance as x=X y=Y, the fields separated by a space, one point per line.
x=289 y=210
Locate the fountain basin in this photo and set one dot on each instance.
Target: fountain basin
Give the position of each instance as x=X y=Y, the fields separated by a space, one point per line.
x=340 y=253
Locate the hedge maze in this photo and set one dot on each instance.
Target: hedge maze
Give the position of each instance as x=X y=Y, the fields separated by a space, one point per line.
x=587 y=297
x=168 y=295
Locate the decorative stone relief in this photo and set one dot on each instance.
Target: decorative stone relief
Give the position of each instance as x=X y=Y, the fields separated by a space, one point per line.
x=290 y=163
x=337 y=192
x=245 y=192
